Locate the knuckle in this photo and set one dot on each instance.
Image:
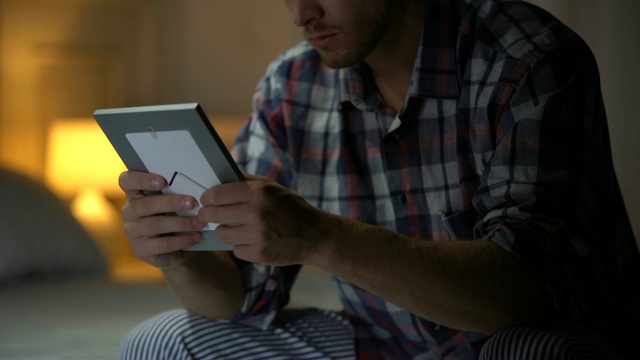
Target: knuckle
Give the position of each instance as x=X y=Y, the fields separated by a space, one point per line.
x=262 y=238
x=126 y=211
x=128 y=229
x=135 y=208
x=207 y=197
x=270 y=189
x=264 y=253
x=123 y=180
x=258 y=217
x=205 y=213
x=137 y=250
x=258 y=192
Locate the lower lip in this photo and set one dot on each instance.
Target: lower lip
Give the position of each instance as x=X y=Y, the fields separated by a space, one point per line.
x=323 y=41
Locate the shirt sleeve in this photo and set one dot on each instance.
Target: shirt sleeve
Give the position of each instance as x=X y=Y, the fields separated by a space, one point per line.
x=260 y=149
x=543 y=184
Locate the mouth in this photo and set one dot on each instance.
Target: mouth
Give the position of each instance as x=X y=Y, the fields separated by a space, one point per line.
x=322 y=40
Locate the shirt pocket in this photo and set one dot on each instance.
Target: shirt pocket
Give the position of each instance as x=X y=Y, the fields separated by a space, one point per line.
x=460 y=224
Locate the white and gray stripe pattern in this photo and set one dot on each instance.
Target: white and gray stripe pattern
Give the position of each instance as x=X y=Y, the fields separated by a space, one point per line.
x=296 y=334
x=563 y=342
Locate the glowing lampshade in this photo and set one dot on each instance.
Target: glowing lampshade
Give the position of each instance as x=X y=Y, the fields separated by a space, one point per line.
x=80 y=156
x=83 y=167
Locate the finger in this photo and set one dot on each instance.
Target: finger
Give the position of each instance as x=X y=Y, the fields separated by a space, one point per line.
x=151 y=247
x=238 y=235
x=227 y=194
x=157 y=204
x=133 y=183
x=160 y=225
x=239 y=214
x=251 y=177
x=254 y=253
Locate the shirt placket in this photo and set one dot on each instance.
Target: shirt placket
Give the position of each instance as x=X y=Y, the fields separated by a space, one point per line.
x=392 y=144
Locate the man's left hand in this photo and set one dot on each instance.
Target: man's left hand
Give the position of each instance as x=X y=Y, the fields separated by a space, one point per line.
x=266 y=222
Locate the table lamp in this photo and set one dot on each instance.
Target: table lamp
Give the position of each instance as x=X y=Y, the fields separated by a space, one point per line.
x=82 y=167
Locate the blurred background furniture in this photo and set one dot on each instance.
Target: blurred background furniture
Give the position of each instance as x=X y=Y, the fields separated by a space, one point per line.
x=58 y=298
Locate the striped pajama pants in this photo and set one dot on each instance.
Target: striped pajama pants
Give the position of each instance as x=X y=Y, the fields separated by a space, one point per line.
x=297 y=334
x=320 y=334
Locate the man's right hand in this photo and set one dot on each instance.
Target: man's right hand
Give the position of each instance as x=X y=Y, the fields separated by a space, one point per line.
x=156 y=236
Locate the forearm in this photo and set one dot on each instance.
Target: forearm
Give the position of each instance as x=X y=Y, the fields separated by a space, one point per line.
x=209 y=284
x=467 y=285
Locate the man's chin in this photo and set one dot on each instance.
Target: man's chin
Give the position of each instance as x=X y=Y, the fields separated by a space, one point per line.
x=338 y=62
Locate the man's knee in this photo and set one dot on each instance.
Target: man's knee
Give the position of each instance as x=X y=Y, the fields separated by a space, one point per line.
x=159 y=337
x=562 y=342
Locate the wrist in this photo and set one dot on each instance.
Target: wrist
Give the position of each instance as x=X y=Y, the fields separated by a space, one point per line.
x=209 y=284
x=336 y=234
x=188 y=262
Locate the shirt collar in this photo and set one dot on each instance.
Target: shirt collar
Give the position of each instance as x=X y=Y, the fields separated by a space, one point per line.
x=357 y=87
x=435 y=73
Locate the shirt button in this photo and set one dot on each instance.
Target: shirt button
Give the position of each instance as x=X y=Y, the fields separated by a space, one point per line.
x=394 y=137
x=402 y=198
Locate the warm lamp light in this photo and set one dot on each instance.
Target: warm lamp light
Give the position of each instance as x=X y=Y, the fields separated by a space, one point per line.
x=90 y=206
x=83 y=166
x=79 y=156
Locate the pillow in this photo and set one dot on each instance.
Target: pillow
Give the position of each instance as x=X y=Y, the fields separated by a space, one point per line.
x=39 y=238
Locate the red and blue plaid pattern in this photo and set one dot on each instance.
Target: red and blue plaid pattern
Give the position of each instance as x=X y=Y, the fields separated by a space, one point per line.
x=503 y=137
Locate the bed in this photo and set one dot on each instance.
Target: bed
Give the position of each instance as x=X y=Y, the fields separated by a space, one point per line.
x=56 y=298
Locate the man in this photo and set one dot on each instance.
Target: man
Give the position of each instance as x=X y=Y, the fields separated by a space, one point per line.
x=400 y=124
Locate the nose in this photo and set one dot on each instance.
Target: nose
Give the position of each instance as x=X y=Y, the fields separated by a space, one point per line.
x=304 y=12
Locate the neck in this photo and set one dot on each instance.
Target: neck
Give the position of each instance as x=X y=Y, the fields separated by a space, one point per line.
x=393 y=59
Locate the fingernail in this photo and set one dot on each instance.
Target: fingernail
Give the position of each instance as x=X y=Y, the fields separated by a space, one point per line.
x=156 y=183
x=187 y=203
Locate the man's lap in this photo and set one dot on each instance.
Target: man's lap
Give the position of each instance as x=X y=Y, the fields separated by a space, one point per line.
x=322 y=334
x=297 y=333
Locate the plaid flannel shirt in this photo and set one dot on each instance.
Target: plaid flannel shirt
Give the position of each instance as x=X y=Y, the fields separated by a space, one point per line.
x=502 y=137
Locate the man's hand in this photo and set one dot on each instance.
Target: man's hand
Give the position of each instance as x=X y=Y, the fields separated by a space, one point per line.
x=266 y=222
x=149 y=227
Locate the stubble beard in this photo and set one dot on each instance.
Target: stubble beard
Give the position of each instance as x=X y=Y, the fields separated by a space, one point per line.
x=365 y=35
